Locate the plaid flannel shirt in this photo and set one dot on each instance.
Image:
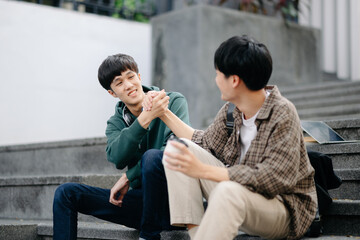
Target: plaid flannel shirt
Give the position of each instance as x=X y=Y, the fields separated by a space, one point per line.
x=276 y=164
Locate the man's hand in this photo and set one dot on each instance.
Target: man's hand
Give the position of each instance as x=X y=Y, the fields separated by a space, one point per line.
x=153 y=99
x=184 y=161
x=159 y=105
x=147 y=102
x=119 y=190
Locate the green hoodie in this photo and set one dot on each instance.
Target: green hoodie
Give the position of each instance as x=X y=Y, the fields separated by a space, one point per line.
x=126 y=145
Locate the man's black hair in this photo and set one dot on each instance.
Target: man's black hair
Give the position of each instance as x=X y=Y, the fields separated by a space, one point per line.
x=113 y=66
x=246 y=58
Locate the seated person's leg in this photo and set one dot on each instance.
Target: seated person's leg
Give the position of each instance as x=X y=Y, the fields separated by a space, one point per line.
x=233 y=207
x=156 y=216
x=71 y=198
x=186 y=193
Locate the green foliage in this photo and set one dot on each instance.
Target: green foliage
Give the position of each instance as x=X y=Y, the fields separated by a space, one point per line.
x=132 y=9
x=289 y=9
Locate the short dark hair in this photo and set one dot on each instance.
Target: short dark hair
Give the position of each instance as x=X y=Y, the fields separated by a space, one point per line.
x=246 y=58
x=113 y=66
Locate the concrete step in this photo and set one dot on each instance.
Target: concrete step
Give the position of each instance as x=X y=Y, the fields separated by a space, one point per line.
x=328 y=101
x=83 y=156
x=18 y=230
x=344 y=156
x=113 y=231
x=32 y=230
x=42 y=230
x=94 y=230
x=329 y=111
x=350 y=187
x=334 y=117
x=346 y=163
x=316 y=94
x=348 y=129
x=320 y=90
x=37 y=203
x=343 y=218
x=31 y=197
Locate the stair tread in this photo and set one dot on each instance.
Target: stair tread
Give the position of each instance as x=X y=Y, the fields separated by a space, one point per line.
x=344 y=207
x=317 y=87
x=316 y=94
x=326 y=100
x=345 y=123
x=57 y=144
x=55 y=179
x=333 y=117
x=342 y=101
x=335 y=148
x=107 y=230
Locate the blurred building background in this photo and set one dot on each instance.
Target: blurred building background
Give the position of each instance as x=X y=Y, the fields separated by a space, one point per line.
x=54 y=111
x=50 y=51
x=339 y=22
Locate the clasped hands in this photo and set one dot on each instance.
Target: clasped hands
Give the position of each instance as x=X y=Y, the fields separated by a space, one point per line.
x=156 y=103
x=184 y=161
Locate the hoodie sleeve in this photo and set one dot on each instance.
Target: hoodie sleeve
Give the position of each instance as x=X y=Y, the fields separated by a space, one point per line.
x=123 y=143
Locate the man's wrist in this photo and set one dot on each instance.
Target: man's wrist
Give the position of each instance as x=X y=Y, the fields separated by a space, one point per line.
x=144 y=119
x=125 y=178
x=165 y=115
x=215 y=173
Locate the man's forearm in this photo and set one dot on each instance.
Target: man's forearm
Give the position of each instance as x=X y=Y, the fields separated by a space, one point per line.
x=214 y=173
x=177 y=126
x=145 y=119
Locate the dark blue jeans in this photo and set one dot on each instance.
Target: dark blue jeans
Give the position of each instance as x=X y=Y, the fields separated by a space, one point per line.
x=145 y=209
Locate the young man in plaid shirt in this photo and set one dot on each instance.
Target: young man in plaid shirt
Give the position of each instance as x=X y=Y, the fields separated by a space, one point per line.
x=259 y=179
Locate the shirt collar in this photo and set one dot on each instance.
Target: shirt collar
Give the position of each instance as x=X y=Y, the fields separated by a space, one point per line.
x=269 y=102
x=266 y=108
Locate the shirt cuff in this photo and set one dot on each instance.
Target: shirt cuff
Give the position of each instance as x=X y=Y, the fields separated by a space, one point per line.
x=134 y=172
x=197 y=136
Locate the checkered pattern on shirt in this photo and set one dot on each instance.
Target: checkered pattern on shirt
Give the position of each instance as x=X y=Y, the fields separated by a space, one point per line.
x=276 y=162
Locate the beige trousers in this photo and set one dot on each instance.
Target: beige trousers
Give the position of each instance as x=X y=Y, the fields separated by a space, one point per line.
x=231 y=206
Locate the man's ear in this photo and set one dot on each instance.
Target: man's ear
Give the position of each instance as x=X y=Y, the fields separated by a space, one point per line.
x=112 y=93
x=139 y=77
x=236 y=81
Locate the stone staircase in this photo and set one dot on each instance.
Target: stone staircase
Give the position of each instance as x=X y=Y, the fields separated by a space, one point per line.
x=338 y=104
x=29 y=174
x=326 y=101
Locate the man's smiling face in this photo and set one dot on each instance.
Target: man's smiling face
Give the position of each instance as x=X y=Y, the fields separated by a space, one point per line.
x=127 y=87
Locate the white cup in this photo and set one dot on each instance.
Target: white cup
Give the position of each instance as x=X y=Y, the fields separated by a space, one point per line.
x=172 y=149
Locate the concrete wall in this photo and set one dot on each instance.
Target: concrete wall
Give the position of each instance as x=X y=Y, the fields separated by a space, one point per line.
x=48 y=70
x=184 y=43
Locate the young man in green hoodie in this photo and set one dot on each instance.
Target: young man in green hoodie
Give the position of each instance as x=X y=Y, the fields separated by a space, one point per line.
x=136 y=200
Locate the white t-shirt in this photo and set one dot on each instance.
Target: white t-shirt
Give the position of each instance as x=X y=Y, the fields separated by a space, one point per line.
x=248 y=132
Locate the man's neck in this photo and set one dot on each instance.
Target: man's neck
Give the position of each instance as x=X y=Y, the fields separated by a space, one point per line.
x=135 y=109
x=250 y=102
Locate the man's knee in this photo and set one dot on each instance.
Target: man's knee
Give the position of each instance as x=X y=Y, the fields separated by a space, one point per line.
x=151 y=160
x=226 y=187
x=64 y=192
x=228 y=191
